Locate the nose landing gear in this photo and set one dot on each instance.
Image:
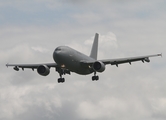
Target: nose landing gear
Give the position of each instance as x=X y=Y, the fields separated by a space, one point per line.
x=61 y=72
x=61 y=80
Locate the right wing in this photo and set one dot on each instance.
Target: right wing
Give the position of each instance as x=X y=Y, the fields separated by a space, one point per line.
x=120 y=60
x=128 y=60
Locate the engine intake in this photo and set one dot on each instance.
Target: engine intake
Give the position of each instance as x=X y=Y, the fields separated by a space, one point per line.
x=99 y=66
x=43 y=70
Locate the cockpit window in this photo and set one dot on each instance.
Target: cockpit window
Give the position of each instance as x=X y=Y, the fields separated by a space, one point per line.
x=58 y=49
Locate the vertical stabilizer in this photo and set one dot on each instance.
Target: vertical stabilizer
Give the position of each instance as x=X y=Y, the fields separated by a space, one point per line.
x=94 y=49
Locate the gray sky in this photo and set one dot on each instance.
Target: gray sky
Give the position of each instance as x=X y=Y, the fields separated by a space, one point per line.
x=31 y=30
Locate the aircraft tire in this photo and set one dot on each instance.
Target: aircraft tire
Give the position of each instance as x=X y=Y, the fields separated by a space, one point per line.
x=95 y=78
x=61 y=80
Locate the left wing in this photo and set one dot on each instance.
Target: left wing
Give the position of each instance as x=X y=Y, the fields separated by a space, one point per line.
x=128 y=60
x=42 y=69
x=32 y=66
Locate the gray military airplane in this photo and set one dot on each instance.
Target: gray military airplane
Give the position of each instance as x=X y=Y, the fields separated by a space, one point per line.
x=68 y=60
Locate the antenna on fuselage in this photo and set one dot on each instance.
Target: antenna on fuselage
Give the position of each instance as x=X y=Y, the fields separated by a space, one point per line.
x=94 y=49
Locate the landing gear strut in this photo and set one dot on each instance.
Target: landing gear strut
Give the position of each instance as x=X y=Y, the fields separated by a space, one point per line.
x=61 y=80
x=95 y=77
x=61 y=72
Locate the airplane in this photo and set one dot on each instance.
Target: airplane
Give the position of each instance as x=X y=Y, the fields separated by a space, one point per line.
x=68 y=60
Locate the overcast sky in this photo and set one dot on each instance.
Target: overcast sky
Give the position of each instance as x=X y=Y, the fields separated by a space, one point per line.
x=30 y=30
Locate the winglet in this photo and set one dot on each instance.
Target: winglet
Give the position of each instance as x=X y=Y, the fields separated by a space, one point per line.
x=94 y=49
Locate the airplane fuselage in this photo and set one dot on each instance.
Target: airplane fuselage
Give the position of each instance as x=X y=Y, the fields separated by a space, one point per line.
x=71 y=59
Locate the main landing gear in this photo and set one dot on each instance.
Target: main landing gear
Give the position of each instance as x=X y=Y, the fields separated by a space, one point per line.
x=95 y=77
x=63 y=72
x=61 y=80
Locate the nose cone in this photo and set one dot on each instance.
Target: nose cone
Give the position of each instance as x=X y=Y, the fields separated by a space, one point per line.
x=57 y=55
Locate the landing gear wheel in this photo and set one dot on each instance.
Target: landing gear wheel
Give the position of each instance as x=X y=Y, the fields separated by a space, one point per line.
x=95 y=78
x=61 y=80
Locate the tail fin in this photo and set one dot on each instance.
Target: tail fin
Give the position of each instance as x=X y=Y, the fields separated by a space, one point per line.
x=94 y=49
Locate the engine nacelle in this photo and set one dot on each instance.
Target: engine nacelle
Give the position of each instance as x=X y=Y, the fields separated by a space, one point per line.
x=99 y=66
x=43 y=70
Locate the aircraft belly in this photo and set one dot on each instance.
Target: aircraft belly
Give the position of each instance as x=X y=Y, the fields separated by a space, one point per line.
x=77 y=68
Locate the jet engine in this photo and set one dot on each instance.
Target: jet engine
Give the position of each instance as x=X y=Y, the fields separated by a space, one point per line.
x=99 y=66
x=43 y=70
